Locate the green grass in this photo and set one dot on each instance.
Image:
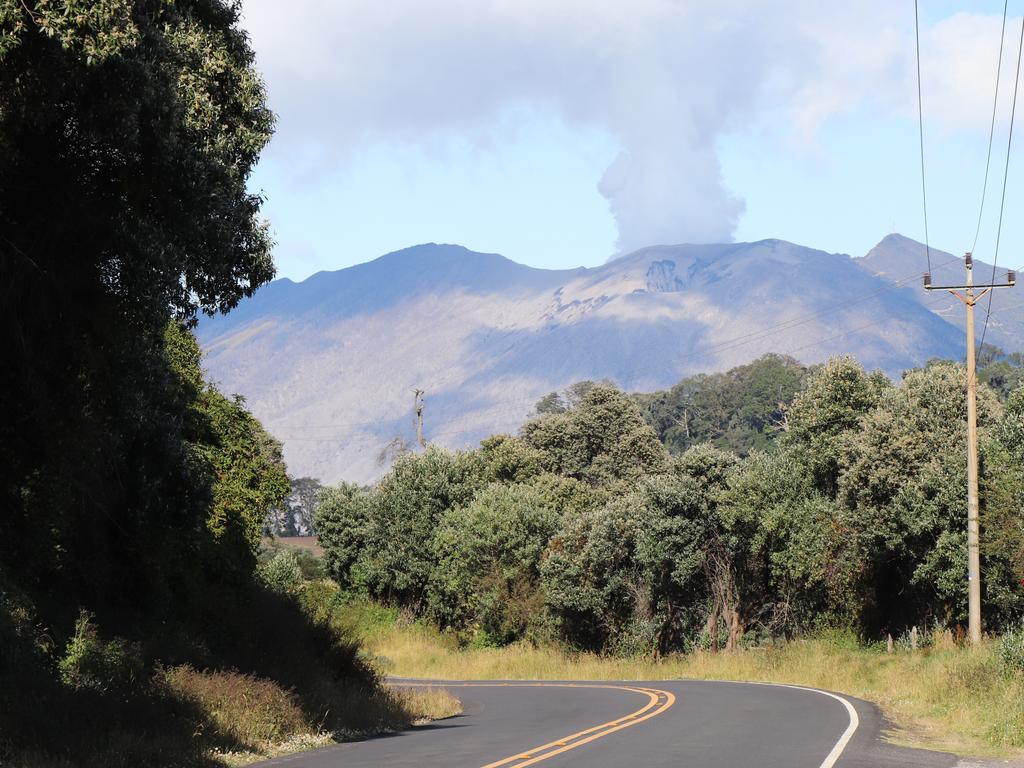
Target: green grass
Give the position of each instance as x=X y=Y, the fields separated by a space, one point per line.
x=952 y=698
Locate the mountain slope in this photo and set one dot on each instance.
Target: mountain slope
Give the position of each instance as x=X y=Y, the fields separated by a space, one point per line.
x=899 y=258
x=329 y=364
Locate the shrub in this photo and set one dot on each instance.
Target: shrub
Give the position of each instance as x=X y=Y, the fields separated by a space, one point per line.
x=282 y=573
x=488 y=556
x=1010 y=650
x=245 y=709
x=89 y=662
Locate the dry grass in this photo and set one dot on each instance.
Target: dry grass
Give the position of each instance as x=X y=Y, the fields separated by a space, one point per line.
x=426 y=704
x=242 y=709
x=247 y=718
x=952 y=699
x=310 y=544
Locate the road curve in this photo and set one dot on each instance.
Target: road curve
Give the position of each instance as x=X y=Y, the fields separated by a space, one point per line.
x=703 y=724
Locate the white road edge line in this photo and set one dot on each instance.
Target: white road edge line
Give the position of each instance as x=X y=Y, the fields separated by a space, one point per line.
x=837 y=750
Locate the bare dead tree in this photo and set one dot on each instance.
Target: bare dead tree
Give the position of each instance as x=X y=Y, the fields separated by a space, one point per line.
x=684 y=422
x=417 y=409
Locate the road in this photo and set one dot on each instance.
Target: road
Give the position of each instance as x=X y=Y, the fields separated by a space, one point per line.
x=650 y=724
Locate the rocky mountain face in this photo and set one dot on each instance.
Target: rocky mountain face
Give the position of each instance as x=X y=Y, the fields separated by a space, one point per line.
x=330 y=364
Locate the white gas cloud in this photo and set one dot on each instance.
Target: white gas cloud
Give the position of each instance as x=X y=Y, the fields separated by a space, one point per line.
x=666 y=78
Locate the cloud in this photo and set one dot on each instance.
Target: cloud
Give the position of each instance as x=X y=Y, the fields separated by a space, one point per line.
x=959 y=57
x=666 y=78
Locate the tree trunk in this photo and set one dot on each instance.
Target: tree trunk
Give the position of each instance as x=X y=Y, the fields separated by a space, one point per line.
x=711 y=626
x=735 y=629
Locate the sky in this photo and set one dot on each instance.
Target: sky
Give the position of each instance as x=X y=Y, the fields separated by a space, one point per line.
x=561 y=133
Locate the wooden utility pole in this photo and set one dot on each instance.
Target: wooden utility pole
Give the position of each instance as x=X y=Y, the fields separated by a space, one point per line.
x=417 y=405
x=969 y=299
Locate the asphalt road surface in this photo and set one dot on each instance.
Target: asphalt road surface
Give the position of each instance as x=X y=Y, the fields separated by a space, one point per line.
x=612 y=725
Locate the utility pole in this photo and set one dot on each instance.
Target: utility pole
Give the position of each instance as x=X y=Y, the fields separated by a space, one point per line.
x=969 y=299
x=417 y=405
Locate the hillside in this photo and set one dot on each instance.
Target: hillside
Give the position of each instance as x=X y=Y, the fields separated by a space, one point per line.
x=897 y=257
x=329 y=364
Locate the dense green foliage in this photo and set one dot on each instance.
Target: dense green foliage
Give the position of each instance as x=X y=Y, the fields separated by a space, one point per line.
x=133 y=492
x=1003 y=372
x=739 y=410
x=127 y=131
x=585 y=529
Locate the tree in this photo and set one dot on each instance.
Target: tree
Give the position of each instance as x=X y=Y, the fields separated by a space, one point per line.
x=793 y=559
x=739 y=410
x=568 y=398
x=246 y=470
x=593 y=585
x=128 y=129
x=343 y=528
x=508 y=459
x=1002 y=372
x=139 y=122
x=832 y=402
x=488 y=554
x=396 y=562
x=1003 y=495
x=902 y=499
x=601 y=440
x=650 y=569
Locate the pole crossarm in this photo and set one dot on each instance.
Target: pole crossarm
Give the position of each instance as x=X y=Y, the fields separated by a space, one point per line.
x=987 y=286
x=1011 y=280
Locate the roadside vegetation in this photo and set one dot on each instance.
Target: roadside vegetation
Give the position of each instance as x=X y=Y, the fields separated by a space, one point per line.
x=585 y=531
x=584 y=547
x=941 y=696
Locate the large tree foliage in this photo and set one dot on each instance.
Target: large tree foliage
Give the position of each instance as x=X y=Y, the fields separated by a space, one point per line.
x=382 y=542
x=133 y=492
x=738 y=410
x=128 y=129
x=1003 y=372
x=242 y=461
x=601 y=440
x=1004 y=512
x=487 y=556
x=829 y=406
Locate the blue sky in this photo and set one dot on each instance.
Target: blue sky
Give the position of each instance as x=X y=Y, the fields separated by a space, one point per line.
x=561 y=133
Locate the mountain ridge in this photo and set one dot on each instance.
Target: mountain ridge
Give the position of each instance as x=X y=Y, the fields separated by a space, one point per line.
x=329 y=363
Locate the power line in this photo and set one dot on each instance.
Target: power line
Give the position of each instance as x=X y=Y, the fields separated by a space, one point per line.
x=1006 y=173
x=920 y=130
x=992 y=125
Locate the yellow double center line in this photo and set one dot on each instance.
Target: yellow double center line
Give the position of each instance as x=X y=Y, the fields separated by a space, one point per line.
x=658 y=702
